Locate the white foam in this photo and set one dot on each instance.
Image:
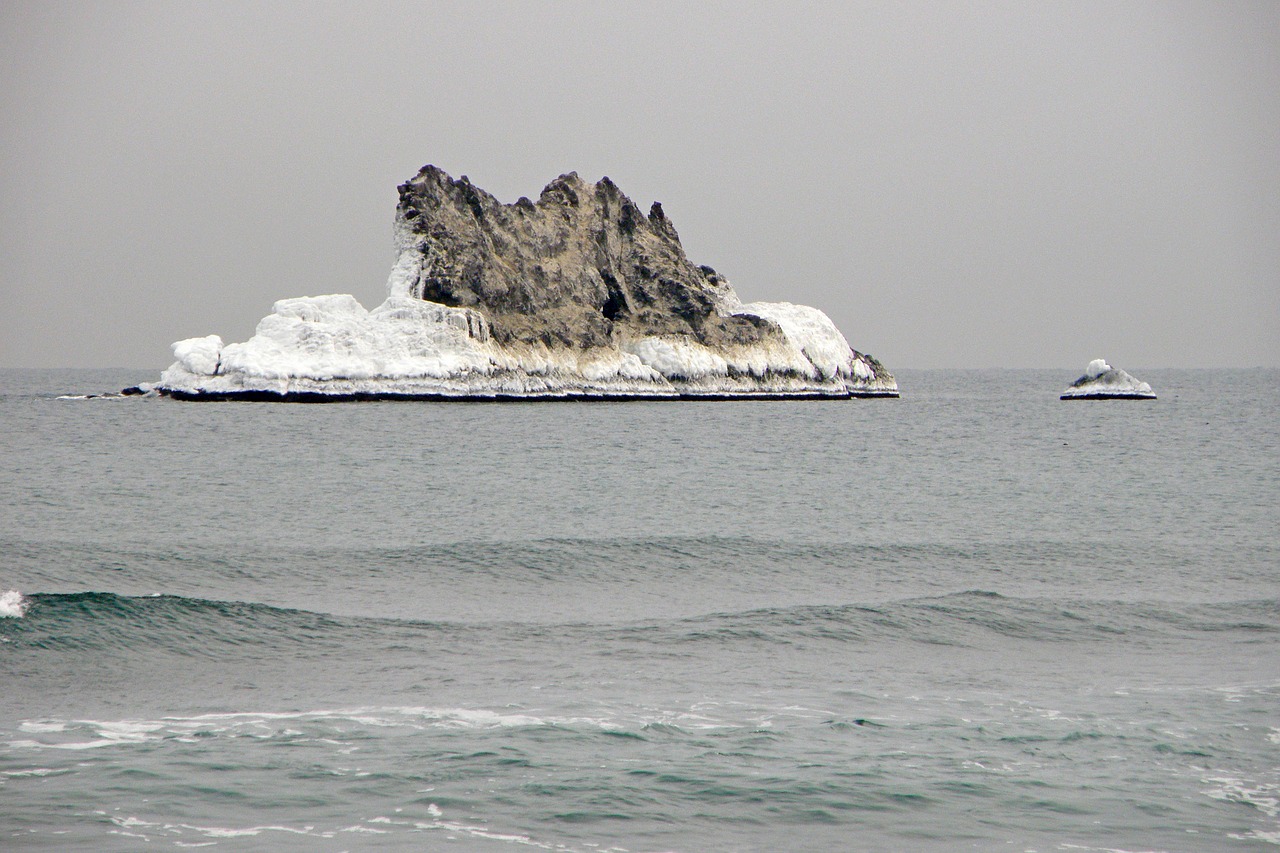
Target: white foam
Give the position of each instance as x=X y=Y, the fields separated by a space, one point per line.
x=230 y=832
x=35 y=726
x=97 y=734
x=35 y=744
x=1257 y=835
x=131 y=822
x=331 y=726
x=12 y=604
x=367 y=830
x=214 y=832
x=1263 y=796
x=1105 y=849
x=462 y=829
x=105 y=733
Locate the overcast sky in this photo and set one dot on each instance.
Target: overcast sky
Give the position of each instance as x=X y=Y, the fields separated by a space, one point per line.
x=1024 y=184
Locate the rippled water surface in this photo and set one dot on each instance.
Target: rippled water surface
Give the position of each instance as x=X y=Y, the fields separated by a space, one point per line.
x=976 y=617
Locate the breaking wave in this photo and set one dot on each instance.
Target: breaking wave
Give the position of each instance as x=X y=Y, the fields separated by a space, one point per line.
x=200 y=627
x=12 y=604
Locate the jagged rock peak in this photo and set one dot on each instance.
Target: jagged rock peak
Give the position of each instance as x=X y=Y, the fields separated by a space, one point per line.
x=567 y=190
x=581 y=267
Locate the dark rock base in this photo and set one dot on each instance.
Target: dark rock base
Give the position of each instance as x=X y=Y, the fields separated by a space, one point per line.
x=316 y=397
x=1104 y=396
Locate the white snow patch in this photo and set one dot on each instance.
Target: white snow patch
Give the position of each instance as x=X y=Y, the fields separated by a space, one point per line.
x=677 y=358
x=812 y=334
x=334 y=337
x=406 y=275
x=324 y=338
x=199 y=355
x=1096 y=368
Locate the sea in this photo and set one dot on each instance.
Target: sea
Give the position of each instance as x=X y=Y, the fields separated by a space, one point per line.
x=973 y=618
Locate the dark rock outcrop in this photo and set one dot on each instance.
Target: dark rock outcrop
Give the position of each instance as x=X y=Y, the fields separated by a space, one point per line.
x=577 y=268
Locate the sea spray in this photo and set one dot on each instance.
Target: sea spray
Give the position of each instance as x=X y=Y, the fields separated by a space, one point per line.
x=12 y=604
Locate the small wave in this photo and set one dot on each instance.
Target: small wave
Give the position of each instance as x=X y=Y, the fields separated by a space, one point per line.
x=609 y=558
x=966 y=619
x=187 y=626
x=12 y=604
x=195 y=627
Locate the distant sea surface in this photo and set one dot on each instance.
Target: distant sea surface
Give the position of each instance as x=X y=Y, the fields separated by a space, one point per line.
x=976 y=617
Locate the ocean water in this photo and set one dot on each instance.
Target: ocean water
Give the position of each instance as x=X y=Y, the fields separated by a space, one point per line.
x=976 y=617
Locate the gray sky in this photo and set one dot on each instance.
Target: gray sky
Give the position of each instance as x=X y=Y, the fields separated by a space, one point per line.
x=955 y=184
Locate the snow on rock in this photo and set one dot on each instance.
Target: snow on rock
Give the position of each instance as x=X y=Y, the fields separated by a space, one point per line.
x=678 y=358
x=578 y=294
x=815 y=339
x=199 y=355
x=1101 y=381
x=322 y=338
x=1096 y=368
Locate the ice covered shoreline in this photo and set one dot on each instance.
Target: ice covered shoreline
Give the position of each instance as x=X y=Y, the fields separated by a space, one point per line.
x=316 y=349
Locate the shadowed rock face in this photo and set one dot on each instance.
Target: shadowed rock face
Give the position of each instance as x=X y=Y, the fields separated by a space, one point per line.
x=581 y=267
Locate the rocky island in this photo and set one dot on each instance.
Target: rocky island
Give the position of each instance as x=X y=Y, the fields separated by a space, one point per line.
x=578 y=295
x=1101 y=381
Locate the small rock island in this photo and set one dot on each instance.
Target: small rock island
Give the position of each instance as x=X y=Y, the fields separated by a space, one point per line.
x=1101 y=381
x=578 y=295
